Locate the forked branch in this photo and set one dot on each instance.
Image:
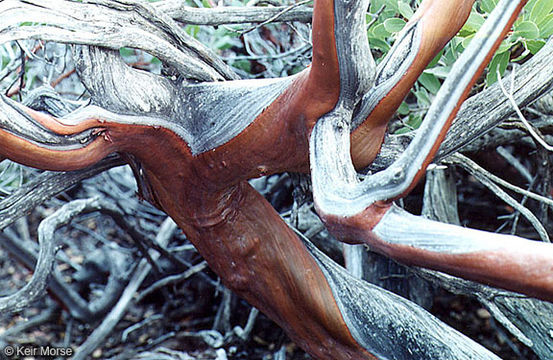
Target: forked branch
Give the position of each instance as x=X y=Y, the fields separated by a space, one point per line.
x=357 y=212
x=193 y=148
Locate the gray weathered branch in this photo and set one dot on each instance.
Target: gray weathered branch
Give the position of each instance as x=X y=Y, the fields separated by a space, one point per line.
x=142 y=270
x=179 y=11
x=521 y=316
x=336 y=188
x=116 y=86
x=36 y=287
x=44 y=187
x=532 y=80
x=133 y=24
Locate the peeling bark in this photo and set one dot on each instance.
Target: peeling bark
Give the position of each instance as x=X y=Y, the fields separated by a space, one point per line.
x=193 y=148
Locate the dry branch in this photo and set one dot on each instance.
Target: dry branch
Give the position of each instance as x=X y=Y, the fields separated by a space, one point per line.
x=36 y=287
x=232 y=15
x=114 y=316
x=192 y=148
x=532 y=80
x=133 y=24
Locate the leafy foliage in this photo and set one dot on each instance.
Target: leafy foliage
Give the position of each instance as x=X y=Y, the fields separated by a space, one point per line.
x=529 y=34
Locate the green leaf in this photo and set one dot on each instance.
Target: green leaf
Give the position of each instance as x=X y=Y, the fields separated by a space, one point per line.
x=192 y=30
x=414 y=121
x=451 y=54
x=423 y=98
x=403 y=109
x=379 y=31
x=377 y=43
x=541 y=9
x=392 y=4
x=376 y=5
x=526 y=30
x=528 y=8
x=534 y=45
x=243 y=65
x=466 y=41
x=394 y=25
x=546 y=27
x=430 y=82
x=126 y=52
x=440 y=72
x=405 y=10
x=488 y=5
x=505 y=45
x=437 y=58
x=499 y=61
x=474 y=22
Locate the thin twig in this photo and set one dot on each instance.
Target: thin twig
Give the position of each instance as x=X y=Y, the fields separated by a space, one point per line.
x=44 y=187
x=138 y=325
x=462 y=160
x=529 y=127
x=374 y=17
x=220 y=15
x=115 y=315
x=481 y=176
x=517 y=215
x=275 y=17
x=514 y=162
x=222 y=318
x=244 y=333
x=36 y=287
x=46 y=315
x=62 y=77
x=172 y=279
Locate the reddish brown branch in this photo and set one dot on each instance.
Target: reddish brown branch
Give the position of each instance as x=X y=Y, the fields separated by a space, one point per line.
x=62 y=77
x=438 y=21
x=234 y=228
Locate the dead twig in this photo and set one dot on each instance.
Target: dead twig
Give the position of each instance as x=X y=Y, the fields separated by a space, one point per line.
x=275 y=17
x=531 y=130
x=172 y=279
x=44 y=187
x=36 y=287
x=115 y=315
x=484 y=178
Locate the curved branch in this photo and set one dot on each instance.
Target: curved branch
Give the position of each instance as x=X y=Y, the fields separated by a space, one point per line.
x=116 y=86
x=351 y=208
x=35 y=288
x=499 y=260
x=235 y=229
x=114 y=27
x=399 y=179
x=78 y=307
x=39 y=140
x=368 y=310
x=532 y=80
x=179 y=11
x=175 y=34
x=321 y=307
x=337 y=172
x=426 y=33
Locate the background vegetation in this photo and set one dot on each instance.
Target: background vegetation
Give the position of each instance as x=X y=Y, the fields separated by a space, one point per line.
x=206 y=321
